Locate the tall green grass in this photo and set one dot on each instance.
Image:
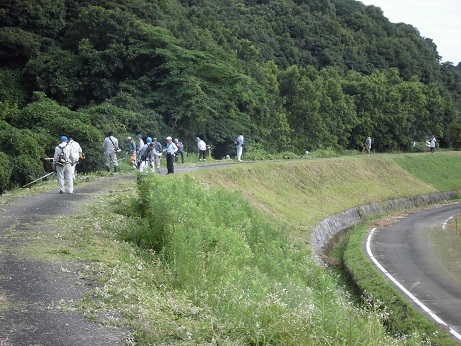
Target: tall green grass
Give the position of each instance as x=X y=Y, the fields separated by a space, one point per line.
x=222 y=256
x=259 y=287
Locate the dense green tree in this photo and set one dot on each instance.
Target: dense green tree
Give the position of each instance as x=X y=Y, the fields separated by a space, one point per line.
x=12 y=91
x=42 y=17
x=292 y=75
x=56 y=74
x=17 y=46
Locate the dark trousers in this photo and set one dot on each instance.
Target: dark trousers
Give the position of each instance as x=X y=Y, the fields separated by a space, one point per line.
x=182 y=156
x=170 y=163
x=202 y=154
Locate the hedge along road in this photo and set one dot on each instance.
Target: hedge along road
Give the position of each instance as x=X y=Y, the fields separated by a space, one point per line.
x=404 y=252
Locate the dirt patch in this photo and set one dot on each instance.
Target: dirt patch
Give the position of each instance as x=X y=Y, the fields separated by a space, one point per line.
x=388 y=220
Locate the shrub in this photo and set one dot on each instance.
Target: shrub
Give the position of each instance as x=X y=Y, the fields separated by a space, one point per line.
x=6 y=169
x=27 y=169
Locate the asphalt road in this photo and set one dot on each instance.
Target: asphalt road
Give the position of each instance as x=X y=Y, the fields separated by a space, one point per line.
x=404 y=253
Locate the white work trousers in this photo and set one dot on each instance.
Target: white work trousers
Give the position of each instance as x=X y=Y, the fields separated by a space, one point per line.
x=239 y=153
x=155 y=164
x=111 y=156
x=65 y=174
x=143 y=166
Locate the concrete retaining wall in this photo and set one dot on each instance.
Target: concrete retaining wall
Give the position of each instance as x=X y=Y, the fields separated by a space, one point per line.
x=332 y=225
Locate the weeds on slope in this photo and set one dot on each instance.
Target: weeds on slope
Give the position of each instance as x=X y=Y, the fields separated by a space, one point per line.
x=209 y=269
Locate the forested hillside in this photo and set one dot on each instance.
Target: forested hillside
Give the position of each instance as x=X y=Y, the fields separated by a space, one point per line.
x=290 y=74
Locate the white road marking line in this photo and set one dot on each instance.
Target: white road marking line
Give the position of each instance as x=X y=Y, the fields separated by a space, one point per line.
x=399 y=285
x=446 y=222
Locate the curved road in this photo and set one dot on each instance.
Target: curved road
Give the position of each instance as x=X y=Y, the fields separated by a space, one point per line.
x=403 y=252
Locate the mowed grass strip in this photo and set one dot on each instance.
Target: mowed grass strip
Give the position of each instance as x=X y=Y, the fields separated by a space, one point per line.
x=304 y=192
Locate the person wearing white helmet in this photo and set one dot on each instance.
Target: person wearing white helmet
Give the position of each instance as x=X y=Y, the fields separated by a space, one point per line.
x=239 y=146
x=368 y=145
x=201 y=145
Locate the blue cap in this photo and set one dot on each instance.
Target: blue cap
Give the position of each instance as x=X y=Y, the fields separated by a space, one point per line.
x=148 y=139
x=139 y=136
x=63 y=138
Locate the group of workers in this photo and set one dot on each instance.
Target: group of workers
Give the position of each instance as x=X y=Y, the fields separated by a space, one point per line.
x=141 y=155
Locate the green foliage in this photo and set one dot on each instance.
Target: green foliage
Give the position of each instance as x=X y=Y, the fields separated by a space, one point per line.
x=55 y=73
x=454 y=134
x=26 y=169
x=46 y=122
x=255 y=151
x=419 y=147
x=44 y=17
x=292 y=76
x=16 y=142
x=12 y=92
x=17 y=46
x=6 y=169
x=21 y=154
x=232 y=263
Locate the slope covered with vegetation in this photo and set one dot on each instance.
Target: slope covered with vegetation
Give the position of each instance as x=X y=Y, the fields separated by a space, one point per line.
x=291 y=75
x=223 y=256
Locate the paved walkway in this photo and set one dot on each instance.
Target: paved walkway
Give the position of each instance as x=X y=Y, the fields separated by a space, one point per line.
x=31 y=290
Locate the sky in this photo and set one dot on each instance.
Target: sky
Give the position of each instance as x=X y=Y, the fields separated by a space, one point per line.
x=439 y=20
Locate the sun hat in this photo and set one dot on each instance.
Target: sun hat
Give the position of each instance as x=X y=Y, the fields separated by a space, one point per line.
x=169 y=137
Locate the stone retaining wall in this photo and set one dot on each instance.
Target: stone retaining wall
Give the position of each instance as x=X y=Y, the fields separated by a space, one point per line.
x=332 y=225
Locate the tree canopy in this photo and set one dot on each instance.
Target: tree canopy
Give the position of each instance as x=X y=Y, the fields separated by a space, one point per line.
x=291 y=75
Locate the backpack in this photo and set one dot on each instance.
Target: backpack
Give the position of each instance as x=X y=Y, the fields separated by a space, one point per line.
x=61 y=161
x=158 y=147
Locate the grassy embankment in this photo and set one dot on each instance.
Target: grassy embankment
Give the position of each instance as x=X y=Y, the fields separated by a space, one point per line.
x=213 y=269
x=341 y=189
